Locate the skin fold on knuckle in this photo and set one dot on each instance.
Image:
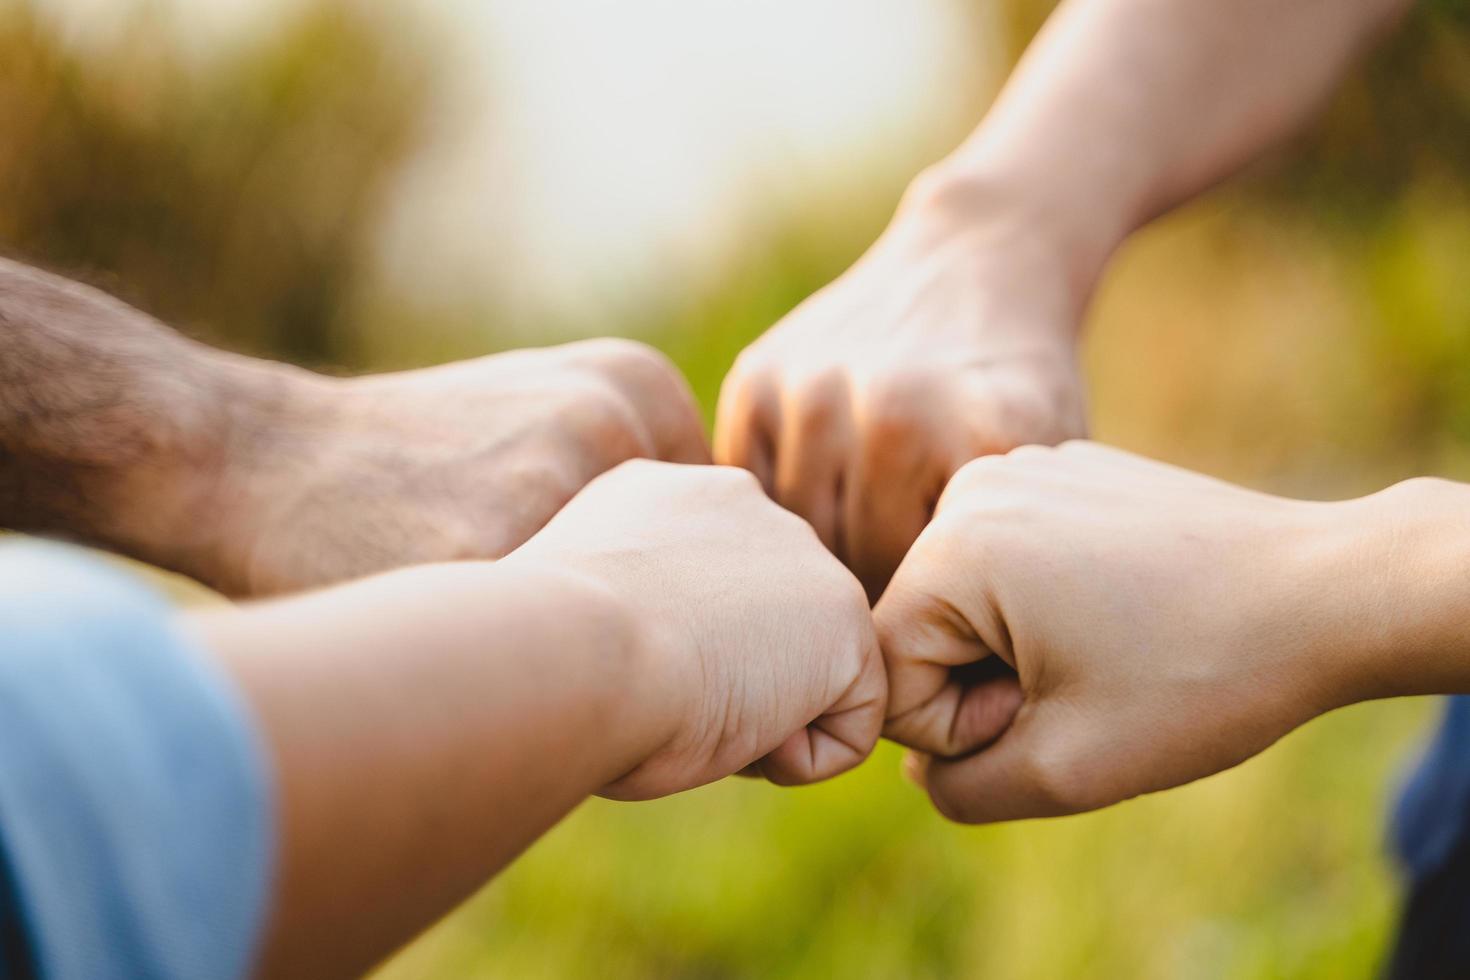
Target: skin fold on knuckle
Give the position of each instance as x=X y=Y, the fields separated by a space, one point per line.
x=1059 y=776
x=735 y=441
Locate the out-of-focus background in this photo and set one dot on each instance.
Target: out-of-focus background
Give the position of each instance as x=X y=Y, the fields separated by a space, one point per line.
x=358 y=187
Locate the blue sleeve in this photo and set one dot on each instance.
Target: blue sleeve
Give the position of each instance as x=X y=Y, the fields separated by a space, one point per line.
x=135 y=816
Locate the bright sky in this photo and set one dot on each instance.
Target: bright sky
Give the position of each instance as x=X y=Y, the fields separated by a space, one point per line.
x=588 y=141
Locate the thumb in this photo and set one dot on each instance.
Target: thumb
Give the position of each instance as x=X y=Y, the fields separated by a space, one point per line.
x=949 y=694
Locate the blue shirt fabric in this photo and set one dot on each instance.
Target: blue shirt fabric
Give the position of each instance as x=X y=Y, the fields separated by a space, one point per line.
x=135 y=810
x=1432 y=818
x=1431 y=835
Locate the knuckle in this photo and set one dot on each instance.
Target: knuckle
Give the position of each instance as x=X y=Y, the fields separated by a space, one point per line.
x=849 y=594
x=893 y=406
x=894 y=621
x=731 y=480
x=800 y=530
x=750 y=364
x=744 y=399
x=978 y=475
x=1031 y=451
x=820 y=401
x=1023 y=417
x=632 y=363
x=597 y=417
x=952 y=806
x=620 y=352
x=642 y=467
x=1058 y=775
x=1032 y=412
x=635 y=472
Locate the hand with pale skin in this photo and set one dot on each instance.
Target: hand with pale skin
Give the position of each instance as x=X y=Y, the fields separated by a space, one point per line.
x=257 y=477
x=670 y=627
x=956 y=334
x=1153 y=626
x=952 y=338
x=707 y=564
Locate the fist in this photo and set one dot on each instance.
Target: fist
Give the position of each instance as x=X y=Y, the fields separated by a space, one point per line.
x=939 y=346
x=1080 y=625
x=462 y=461
x=757 y=645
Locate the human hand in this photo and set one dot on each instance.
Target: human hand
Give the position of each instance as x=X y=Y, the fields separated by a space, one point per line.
x=339 y=478
x=670 y=626
x=757 y=644
x=1162 y=626
x=954 y=337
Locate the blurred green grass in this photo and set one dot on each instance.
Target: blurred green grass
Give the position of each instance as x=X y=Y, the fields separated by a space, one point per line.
x=1307 y=331
x=1268 y=871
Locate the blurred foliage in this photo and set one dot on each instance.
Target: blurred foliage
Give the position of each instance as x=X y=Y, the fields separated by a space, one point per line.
x=237 y=198
x=1306 y=329
x=1264 y=872
x=1328 y=281
x=1403 y=115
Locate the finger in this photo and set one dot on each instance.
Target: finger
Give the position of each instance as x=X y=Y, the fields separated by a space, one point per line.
x=810 y=467
x=658 y=392
x=960 y=719
x=890 y=499
x=906 y=435
x=1004 y=410
x=948 y=693
x=842 y=737
x=1024 y=774
x=746 y=424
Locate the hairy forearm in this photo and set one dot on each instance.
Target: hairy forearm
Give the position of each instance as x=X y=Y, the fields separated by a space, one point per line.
x=426 y=726
x=114 y=429
x=1122 y=109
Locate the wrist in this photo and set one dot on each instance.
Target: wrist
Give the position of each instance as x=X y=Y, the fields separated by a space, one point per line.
x=202 y=492
x=1011 y=213
x=1404 y=556
x=636 y=685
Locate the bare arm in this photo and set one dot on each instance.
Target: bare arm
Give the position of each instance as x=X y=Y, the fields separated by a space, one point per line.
x=1122 y=109
x=955 y=336
x=1160 y=625
x=427 y=724
x=258 y=477
x=111 y=424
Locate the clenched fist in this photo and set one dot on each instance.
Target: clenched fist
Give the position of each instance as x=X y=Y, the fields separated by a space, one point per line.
x=1080 y=625
x=952 y=338
x=467 y=460
x=256 y=477
x=758 y=642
